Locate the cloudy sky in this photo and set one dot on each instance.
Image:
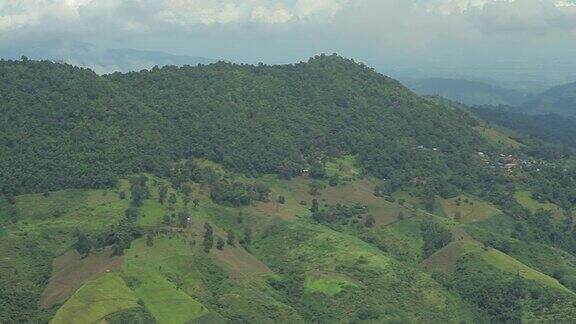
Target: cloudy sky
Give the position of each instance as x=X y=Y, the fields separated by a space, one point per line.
x=505 y=40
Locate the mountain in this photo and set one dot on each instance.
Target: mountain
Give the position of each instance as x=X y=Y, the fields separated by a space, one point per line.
x=558 y=100
x=101 y=60
x=549 y=127
x=467 y=92
x=313 y=192
x=91 y=129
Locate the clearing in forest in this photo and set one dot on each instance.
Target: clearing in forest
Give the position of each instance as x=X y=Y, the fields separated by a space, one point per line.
x=71 y=271
x=468 y=210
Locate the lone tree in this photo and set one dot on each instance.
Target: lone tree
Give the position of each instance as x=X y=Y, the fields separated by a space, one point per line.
x=281 y=200
x=196 y=202
x=172 y=200
x=247 y=236
x=314 y=209
x=208 y=237
x=150 y=239
x=220 y=244
x=231 y=238
x=369 y=221
x=184 y=219
x=82 y=245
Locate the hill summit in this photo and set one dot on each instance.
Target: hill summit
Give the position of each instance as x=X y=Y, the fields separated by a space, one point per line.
x=66 y=127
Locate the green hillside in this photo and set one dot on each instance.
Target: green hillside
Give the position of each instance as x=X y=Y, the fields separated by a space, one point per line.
x=315 y=192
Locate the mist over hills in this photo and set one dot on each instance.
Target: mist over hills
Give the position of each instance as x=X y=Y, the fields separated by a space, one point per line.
x=558 y=100
x=467 y=92
x=101 y=60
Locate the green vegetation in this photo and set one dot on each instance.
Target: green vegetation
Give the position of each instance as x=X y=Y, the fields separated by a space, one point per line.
x=315 y=192
x=96 y=300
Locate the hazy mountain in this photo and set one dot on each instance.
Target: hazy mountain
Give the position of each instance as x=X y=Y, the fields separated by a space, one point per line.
x=467 y=92
x=552 y=128
x=101 y=60
x=559 y=100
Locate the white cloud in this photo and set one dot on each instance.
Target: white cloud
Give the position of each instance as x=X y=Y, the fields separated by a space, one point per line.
x=260 y=29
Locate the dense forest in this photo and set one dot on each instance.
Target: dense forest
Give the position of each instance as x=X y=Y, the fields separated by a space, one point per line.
x=66 y=127
x=550 y=127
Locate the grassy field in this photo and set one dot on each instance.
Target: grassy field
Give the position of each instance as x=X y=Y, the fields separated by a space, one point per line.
x=95 y=300
x=525 y=199
x=327 y=283
x=508 y=264
x=357 y=191
x=498 y=137
x=320 y=274
x=468 y=208
x=163 y=277
x=70 y=271
x=346 y=167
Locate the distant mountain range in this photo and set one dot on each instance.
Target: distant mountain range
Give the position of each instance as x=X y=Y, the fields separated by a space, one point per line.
x=558 y=100
x=471 y=93
x=101 y=60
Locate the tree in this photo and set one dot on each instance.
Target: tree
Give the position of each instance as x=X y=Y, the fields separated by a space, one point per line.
x=138 y=195
x=162 y=192
x=166 y=220
x=314 y=209
x=400 y=215
x=131 y=213
x=317 y=171
x=186 y=190
x=230 y=238
x=435 y=236
x=333 y=180
x=369 y=221
x=172 y=200
x=184 y=219
x=247 y=236
x=220 y=244
x=315 y=187
x=208 y=237
x=82 y=245
x=281 y=200
x=196 y=202
x=150 y=239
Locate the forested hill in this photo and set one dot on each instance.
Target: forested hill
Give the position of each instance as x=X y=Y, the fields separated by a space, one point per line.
x=559 y=100
x=549 y=127
x=62 y=126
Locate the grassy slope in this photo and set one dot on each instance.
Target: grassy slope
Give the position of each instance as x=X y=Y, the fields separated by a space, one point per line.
x=472 y=211
x=95 y=300
x=177 y=282
x=498 y=137
x=526 y=200
x=381 y=282
x=163 y=277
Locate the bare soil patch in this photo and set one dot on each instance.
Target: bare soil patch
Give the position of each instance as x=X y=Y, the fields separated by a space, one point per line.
x=70 y=271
